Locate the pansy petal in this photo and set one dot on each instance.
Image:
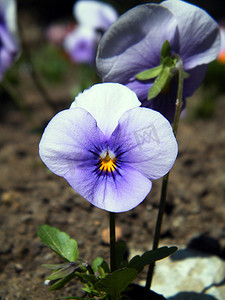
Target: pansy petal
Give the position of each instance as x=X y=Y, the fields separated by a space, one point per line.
x=95 y=14
x=8 y=9
x=148 y=142
x=141 y=88
x=195 y=79
x=7 y=41
x=117 y=100
x=199 y=33
x=164 y=103
x=133 y=43
x=81 y=44
x=118 y=194
x=68 y=139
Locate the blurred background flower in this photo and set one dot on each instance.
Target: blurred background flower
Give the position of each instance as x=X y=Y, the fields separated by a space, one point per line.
x=221 y=55
x=9 y=41
x=93 y=18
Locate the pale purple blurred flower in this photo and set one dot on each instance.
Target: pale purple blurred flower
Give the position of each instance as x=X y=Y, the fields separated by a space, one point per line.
x=80 y=44
x=221 y=55
x=94 y=14
x=108 y=148
x=134 y=42
x=93 y=18
x=9 y=44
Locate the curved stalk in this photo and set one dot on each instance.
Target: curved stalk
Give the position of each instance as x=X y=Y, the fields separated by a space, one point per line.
x=112 y=241
x=163 y=198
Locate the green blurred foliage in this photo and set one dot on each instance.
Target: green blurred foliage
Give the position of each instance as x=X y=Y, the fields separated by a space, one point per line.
x=50 y=62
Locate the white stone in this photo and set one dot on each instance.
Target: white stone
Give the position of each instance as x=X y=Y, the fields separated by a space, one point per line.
x=190 y=275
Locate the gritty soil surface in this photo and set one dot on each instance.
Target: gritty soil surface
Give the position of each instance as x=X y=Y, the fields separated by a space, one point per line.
x=30 y=195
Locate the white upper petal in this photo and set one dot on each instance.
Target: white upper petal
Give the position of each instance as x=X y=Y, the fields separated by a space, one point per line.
x=106 y=102
x=95 y=14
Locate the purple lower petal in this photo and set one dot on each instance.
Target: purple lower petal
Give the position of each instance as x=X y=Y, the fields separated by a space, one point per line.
x=141 y=88
x=194 y=80
x=116 y=194
x=165 y=103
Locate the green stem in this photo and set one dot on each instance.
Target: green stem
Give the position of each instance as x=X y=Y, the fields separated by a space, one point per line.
x=112 y=241
x=158 y=227
x=162 y=204
x=179 y=94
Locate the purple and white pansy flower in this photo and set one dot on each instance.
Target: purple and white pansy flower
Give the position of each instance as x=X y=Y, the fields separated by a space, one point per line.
x=9 y=44
x=134 y=43
x=93 y=18
x=108 y=148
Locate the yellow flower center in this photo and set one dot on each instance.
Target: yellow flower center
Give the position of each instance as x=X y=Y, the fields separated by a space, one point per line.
x=107 y=162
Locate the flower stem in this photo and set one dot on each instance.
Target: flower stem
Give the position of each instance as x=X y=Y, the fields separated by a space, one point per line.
x=162 y=204
x=179 y=102
x=112 y=241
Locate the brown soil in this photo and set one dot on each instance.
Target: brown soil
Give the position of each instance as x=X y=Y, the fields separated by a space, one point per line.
x=30 y=196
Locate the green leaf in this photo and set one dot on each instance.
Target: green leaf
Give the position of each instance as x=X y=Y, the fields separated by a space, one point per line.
x=186 y=75
x=99 y=262
x=134 y=262
x=149 y=257
x=61 y=273
x=121 y=249
x=149 y=74
x=87 y=277
x=101 y=272
x=57 y=266
x=58 y=241
x=159 y=83
x=165 y=51
x=114 y=284
x=60 y=283
x=77 y=298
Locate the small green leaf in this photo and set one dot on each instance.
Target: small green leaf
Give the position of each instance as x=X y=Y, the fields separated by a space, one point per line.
x=57 y=266
x=87 y=277
x=101 y=272
x=61 y=273
x=58 y=241
x=96 y=263
x=114 y=284
x=77 y=298
x=165 y=51
x=99 y=262
x=159 y=83
x=149 y=257
x=160 y=253
x=121 y=249
x=134 y=262
x=149 y=74
x=186 y=75
x=60 y=283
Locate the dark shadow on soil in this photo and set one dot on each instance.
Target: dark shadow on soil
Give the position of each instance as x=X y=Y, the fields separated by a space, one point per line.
x=191 y=296
x=200 y=246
